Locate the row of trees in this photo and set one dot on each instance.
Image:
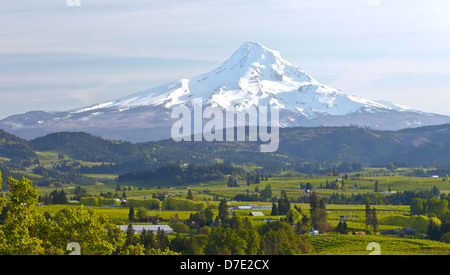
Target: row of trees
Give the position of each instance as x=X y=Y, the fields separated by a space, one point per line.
x=263 y=195
x=145 y=243
x=433 y=206
x=436 y=208
x=176 y=174
x=371 y=218
x=232 y=235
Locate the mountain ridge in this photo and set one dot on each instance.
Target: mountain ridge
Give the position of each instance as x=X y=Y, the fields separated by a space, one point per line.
x=253 y=76
x=298 y=145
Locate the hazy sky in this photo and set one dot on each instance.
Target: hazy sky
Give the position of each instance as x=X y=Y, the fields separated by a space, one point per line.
x=57 y=57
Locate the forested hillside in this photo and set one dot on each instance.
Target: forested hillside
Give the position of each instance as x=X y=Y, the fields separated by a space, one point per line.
x=86 y=147
x=301 y=149
x=14 y=147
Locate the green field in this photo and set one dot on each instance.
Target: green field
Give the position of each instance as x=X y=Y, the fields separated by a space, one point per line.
x=323 y=244
x=388 y=245
x=289 y=184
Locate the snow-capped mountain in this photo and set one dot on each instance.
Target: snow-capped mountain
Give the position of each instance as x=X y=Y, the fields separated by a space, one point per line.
x=253 y=76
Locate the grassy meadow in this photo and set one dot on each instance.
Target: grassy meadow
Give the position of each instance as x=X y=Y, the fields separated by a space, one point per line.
x=356 y=183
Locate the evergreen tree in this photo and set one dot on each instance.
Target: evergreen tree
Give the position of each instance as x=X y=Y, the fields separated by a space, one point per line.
x=314 y=205
x=234 y=222
x=147 y=239
x=274 y=210
x=223 y=212
x=230 y=182
x=283 y=203
x=435 y=191
x=179 y=244
x=162 y=239
x=209 y=215
x=131 y=215
x=130 y=236
x=58 y=197
x=266 y=193
x=374 y=221
x=189 y=195
x=433 y=231
x=308 y=186
x=342 y=228
x=322 y=212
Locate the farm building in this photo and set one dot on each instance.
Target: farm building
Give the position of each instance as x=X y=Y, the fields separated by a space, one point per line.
x=153 y=228
x=401 y=232
x=257 y=214
x=253 y=207
x=312 y=232
x=243 y=207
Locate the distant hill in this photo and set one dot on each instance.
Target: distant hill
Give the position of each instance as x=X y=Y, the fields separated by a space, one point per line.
x=83 y=146
x=13 y=147
x=299 y=148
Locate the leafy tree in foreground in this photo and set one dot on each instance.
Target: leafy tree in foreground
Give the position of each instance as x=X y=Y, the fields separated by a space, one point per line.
x=225 y=241
x=27 y=233
x=16 y=237
x=278 y=238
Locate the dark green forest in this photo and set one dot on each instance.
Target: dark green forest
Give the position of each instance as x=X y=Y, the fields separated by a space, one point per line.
x=315 y=150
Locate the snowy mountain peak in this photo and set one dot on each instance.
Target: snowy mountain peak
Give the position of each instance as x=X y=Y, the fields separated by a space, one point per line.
x=251 y=53
x=255 y=62
x=254 y=75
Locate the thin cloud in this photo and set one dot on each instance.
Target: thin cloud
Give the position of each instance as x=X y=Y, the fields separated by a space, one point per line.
x=346 y=40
